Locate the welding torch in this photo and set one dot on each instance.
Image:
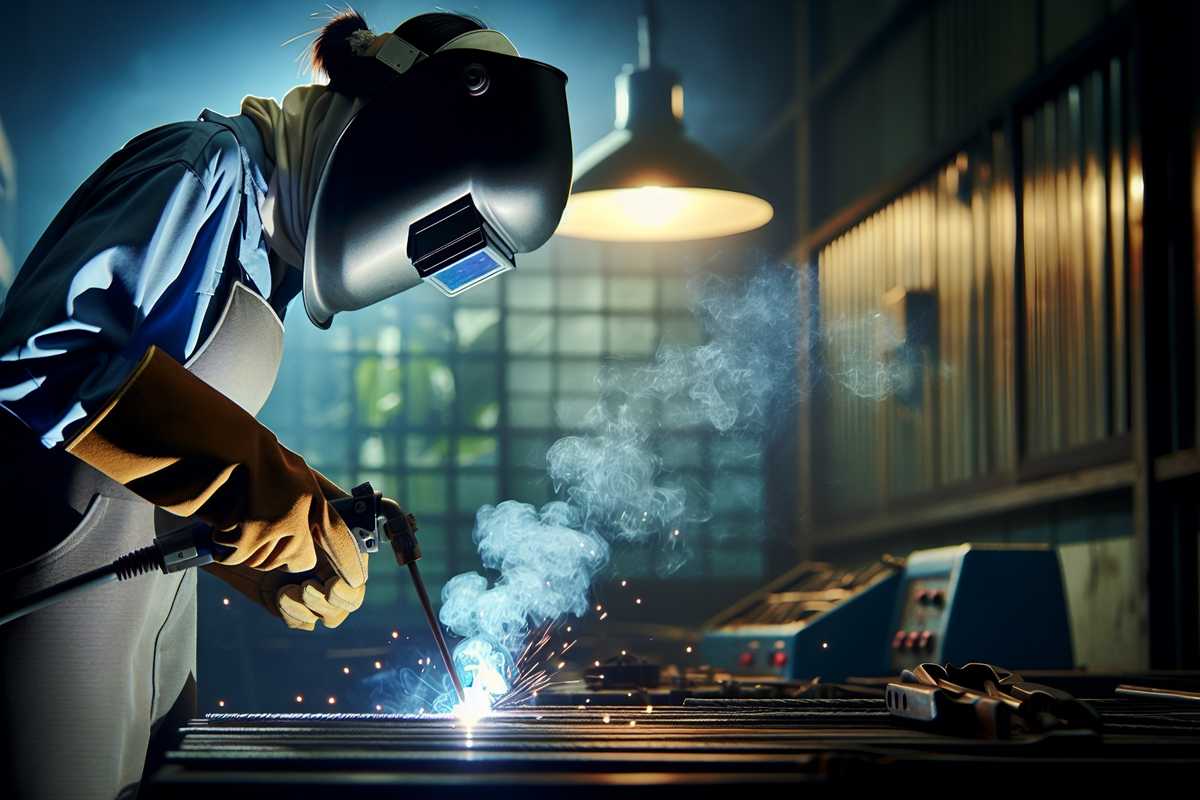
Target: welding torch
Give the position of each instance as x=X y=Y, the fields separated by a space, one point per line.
x=367 y=513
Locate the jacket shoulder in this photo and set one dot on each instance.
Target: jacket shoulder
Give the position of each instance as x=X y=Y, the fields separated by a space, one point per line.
x=206 y=149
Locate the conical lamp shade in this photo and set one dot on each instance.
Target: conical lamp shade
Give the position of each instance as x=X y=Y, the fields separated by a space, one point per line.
x=646 y=181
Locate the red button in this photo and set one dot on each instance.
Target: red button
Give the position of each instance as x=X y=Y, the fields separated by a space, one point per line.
x=910 y=641
x=898 y=640
x=746 y=659
x=778 y=658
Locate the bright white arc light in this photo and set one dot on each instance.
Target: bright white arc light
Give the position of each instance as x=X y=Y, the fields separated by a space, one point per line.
x=485 y=685
x=662 y=214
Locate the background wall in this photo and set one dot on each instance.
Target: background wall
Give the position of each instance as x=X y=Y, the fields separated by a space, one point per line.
x=976 y=202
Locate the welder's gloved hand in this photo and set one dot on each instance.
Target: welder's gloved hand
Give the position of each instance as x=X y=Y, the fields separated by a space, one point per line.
x=179 y=443
x=301 y=601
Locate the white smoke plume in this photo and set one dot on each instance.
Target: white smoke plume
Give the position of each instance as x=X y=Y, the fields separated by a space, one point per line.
x=612 y=485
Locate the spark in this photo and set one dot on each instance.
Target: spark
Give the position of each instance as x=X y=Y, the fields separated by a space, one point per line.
x=604 y=616
x=395 y=634
x=568 y=629
x=624 y=583
x=599 y=607
x=378 y=665
x=824 y=645
x=649 y=709
x=345 y=670
x=224 y=601
x=638 y=601
x=687 y=649
x=622 y=652
x=379 y=708
x=596 y=663
x=632 y=722
x=561 y=664
x=607 y=719
x=299 y=698
x=332 y=700
x=221 y=703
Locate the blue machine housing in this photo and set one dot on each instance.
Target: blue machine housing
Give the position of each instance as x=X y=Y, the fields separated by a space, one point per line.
x=1003 y=604
x=847 y=640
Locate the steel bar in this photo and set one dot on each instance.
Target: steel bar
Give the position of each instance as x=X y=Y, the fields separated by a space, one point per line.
x=436 y=628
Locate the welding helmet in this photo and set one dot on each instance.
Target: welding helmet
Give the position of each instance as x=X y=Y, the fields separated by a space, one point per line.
x=460 y=163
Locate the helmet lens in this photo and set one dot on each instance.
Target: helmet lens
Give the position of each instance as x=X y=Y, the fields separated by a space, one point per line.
x=469 y=271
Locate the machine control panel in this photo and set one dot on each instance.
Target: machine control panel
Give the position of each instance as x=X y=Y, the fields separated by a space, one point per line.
x=1004 y=604
x=924 y=607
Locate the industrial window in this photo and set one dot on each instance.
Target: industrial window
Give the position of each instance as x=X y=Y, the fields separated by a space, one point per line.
x=447 y=405
x=947 y=411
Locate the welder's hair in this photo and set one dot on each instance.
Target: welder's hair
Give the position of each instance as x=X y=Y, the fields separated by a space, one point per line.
x=350 y=73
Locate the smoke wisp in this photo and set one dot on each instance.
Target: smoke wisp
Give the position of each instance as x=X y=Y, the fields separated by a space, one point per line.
x=612 y=484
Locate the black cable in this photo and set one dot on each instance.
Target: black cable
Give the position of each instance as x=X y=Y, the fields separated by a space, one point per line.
x=127 y=566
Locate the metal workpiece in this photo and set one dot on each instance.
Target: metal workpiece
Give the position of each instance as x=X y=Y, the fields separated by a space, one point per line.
x=674 y=750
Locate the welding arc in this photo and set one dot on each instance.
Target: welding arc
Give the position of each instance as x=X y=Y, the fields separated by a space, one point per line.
x=436 y=627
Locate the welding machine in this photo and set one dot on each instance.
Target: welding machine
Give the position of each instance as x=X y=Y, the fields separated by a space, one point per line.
x=1001 y=604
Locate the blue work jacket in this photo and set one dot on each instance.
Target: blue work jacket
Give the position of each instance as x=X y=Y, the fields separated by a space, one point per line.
x=144 y=253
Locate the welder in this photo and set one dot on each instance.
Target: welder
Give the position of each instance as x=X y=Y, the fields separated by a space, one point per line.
x=144 y=331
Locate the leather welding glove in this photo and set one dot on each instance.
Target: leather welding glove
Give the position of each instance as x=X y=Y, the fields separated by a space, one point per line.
x=301 y=601
x=182 y=445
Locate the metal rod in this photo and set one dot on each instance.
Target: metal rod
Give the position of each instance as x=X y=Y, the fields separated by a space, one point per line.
x=436 y=627
x=1153 y=693
x=647 y=30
